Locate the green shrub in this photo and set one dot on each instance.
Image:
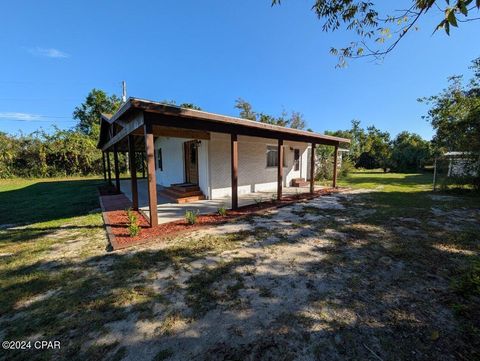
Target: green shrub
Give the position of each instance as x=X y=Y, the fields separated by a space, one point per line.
x=222 y=211
x=191 y=216
x=346 y=168
x=133 y=224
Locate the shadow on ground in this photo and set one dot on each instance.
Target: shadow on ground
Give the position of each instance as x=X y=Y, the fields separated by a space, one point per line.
x=355 y=277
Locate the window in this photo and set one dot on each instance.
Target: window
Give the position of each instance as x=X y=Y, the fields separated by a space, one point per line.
x=272 y=156
x=159 y=159
x=296 y=159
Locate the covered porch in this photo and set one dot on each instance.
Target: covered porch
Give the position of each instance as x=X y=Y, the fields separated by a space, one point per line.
x=136 y=124
x=168 y=211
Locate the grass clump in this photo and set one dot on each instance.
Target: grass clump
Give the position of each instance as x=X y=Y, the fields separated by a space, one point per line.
x=191 y=216
x=222 y=211
x=133 y=224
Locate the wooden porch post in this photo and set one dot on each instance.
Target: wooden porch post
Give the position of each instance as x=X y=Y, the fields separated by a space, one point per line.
x=133 y=171
x=117 y=169
x=152 y=181
x=104 y=167
x=234 y=163
x=335 y=163
x=312 y=169
x=280 y=169
x=109 y=168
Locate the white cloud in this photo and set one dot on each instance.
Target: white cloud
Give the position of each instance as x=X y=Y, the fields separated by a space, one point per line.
x=26 y=117
x=48 y=52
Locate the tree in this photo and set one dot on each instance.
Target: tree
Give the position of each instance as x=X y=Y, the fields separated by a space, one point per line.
x=409 y=152
x=455 y=113
x=375 y=34
x=246 y=110
x=455 y=117
x=88 y=113
x=183 y=105
x=295 y=120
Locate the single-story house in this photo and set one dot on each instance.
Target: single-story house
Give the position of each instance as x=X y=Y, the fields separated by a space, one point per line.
x=194 y=154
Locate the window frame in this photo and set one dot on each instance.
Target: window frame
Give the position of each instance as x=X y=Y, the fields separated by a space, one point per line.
x=274 y=148
x=159 y=159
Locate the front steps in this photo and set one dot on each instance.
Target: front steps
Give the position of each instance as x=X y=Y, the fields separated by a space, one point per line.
x=300 y=182
x=182 y=193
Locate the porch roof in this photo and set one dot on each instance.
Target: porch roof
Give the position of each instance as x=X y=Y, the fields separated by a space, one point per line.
x=126 y=121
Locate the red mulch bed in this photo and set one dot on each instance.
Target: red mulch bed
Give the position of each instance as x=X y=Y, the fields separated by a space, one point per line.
x=117 y=220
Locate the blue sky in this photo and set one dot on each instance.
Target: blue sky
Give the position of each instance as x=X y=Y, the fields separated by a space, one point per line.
x=210 y=53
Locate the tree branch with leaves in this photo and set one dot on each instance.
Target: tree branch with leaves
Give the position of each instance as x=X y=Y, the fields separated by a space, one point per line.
x=375 y=34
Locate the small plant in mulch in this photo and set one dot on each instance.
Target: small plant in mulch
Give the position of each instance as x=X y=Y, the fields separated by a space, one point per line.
x=133 y=224
x=191 y=216
x=273 y=198
x=258 y=200
x=222 y=211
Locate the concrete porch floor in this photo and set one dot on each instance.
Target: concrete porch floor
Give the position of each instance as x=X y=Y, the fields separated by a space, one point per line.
x=168 y=211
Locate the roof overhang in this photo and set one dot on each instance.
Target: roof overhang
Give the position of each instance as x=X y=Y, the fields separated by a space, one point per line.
x=167 y=115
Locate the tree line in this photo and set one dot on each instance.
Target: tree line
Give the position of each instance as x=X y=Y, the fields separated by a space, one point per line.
x=454 y=114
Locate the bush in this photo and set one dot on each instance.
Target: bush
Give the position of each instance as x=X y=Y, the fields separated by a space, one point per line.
x=191 y=216
x=346 y=168
x=222 y=211
x=133 y=224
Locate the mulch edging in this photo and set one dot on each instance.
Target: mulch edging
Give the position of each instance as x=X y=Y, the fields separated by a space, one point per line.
x=116 y=220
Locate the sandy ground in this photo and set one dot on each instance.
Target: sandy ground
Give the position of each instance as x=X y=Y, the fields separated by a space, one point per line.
x=311 y=281
x=327 y=279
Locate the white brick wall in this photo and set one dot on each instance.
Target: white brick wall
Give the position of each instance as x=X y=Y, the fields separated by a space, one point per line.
x=253 y=173
x=214 y=164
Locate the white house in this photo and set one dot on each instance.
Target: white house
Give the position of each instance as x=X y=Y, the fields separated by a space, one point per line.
x=194 y=155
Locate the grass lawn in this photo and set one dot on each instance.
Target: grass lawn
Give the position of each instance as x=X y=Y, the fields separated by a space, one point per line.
x=387 y=271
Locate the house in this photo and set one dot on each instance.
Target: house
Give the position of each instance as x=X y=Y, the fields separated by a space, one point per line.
x=193 y=154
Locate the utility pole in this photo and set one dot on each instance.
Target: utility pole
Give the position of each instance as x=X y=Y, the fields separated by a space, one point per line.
x=124 y=91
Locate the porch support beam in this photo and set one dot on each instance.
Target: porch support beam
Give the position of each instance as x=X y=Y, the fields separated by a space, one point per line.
x=109 y=170
x=133 y=171
x=117 y=168
x=152 y=181
x=335 y=164
x=234 y=164
x=104 y=167
x=312 y=169
x=280 y=169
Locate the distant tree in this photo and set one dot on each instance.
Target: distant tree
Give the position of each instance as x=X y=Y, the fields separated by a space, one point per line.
x=246 y=110
x=88 y=113
x=183 y=105
x=294 y=120
x=409 y=152
x=297 y=121
x=376 y=35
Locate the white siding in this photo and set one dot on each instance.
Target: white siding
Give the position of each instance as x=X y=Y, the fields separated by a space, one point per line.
x=253 y=173
x=173 y=162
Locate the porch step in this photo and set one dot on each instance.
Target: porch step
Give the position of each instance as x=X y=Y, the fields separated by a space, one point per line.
x=177 y=194
x=184 y=187
x=300 y=182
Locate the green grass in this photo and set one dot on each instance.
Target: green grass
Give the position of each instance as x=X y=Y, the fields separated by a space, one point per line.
x=389 y=182
x=26 y=201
